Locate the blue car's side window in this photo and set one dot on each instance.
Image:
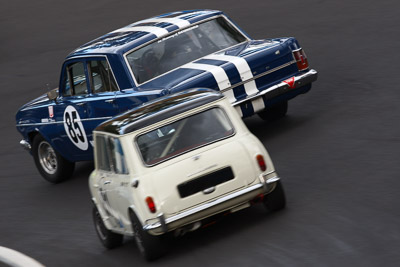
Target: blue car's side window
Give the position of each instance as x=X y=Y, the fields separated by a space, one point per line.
x=102 y=79
x=75 y=80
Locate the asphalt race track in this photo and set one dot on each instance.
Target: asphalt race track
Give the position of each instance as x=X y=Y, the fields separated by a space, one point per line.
x=337 y=151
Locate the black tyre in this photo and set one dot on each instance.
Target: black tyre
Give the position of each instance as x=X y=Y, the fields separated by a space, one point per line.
x=108 y=239
x=274 y=112
x=150 y=246
x=275 y=200
x=51 y=165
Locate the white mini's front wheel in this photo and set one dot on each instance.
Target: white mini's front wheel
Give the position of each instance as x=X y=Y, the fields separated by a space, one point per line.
x=108 y=239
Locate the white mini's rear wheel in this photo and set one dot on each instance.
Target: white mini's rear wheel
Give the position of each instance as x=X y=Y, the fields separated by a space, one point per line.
x=149 y=246
x=51 y=165
x=275 y=200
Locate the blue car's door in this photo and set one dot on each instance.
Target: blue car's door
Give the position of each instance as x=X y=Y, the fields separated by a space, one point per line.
x=130 y=98
x=101 y=104
x=71 y=136
x=89 y=95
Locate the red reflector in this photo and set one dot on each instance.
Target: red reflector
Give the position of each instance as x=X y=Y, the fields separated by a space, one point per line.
x=301 y=59
x=150 y=204
x=290 y=82
x=261 y=163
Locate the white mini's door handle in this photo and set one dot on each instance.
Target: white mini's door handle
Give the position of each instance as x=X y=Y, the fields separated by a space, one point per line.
x=135 y=183
x=107 y=182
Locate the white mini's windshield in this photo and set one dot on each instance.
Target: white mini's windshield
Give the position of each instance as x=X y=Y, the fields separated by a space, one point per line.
x=182 y=47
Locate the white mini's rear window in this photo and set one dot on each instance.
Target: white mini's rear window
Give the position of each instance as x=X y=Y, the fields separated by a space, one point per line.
x=184 y=135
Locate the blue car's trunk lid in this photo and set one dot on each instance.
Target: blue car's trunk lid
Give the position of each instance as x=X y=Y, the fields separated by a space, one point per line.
x=240 y=71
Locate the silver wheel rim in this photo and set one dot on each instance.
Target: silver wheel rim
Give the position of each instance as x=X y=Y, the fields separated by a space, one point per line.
x=47 y=157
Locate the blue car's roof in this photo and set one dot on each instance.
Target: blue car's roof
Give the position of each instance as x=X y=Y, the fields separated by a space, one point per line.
x=138 y=33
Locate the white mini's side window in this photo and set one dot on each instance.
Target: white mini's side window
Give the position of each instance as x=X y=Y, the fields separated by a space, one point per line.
x=117 y=156
x=110 y=156
x=102 y=153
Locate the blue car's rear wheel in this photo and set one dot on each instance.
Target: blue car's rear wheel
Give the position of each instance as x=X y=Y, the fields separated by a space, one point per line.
x=51 y=165
x=274 y=112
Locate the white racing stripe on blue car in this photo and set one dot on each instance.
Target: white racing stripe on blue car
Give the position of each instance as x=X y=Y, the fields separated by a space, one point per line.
x=243 y=68
x=223 y=81
x=181 y=23
x=219 y=75
x=158 y=31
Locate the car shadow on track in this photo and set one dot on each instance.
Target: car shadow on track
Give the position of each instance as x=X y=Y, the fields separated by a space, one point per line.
x=232 y=227
x=215 y=238
x=270 y=129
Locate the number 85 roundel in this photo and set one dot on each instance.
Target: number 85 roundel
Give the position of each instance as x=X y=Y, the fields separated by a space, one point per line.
x=74 y=128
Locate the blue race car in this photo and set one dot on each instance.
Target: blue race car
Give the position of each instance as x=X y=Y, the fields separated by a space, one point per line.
x=152 y=58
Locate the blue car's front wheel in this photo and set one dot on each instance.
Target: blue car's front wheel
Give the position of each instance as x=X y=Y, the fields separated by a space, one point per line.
x=51 y=165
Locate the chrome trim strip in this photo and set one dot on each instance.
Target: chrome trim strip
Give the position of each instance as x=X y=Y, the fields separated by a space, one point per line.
x=302 y=79
x=272 y=180
x=203 y=207
x=262 y=74
x=57 y=122
x=98 y=118
x=38 y=123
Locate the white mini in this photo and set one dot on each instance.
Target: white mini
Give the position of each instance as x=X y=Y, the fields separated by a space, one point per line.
x=173 y=165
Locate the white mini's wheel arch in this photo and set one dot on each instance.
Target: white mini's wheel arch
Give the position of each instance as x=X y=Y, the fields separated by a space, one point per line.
x=17 y=259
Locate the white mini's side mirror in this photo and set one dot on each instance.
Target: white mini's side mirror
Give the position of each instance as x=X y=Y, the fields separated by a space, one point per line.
x=53 y=94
